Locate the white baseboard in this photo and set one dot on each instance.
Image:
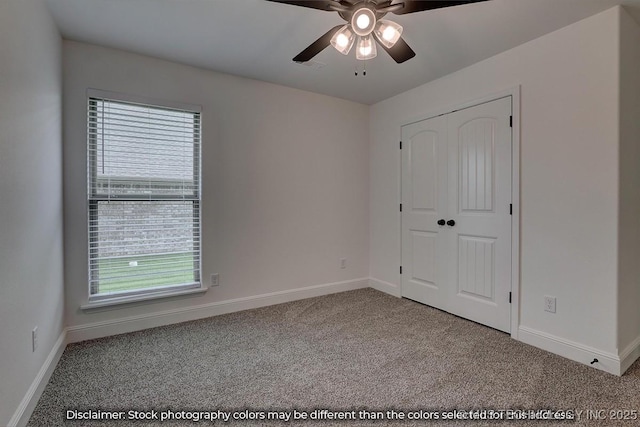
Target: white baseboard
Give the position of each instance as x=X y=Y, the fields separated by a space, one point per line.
x=629 y=355
x=27 y=405
x=167 y=317
x=577 y=352
x=386 y=287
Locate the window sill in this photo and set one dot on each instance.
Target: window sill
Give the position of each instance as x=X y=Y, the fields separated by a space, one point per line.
x=138 y=298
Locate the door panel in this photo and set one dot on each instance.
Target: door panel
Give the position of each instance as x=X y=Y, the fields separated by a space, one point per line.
x=424 y=248
x=475 y=166
x=457 y=167
x=423 y=155
x=424 y=197
x=476 y=261
x=479 y=186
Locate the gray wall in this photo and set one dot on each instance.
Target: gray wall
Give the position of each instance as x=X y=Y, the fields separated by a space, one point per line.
x=568 y=176
x=285 y=179
x=31 y=240
x=629 y=225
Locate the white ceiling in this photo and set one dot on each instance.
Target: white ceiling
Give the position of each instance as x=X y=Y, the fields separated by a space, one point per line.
x=257 y=39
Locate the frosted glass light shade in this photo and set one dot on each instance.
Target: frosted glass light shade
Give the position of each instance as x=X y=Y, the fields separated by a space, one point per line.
x=343 y=40
x=388 y=32
x=366 y=48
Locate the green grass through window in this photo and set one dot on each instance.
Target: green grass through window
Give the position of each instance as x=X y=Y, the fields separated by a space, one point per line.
x=122 y=274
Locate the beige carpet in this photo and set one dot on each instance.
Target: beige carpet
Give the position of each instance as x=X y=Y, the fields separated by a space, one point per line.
x=353 y=351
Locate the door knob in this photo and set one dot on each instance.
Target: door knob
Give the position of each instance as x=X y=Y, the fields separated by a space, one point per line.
x=442 y=222
x=451 y=223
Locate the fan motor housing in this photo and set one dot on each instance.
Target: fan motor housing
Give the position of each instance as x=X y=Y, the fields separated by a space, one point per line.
x=371 y=5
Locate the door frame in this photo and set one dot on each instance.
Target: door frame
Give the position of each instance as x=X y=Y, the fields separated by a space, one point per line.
x=514 y=93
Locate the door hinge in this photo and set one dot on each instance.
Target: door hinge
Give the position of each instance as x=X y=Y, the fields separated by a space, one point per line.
x=509 y=297
x=401 y=145
x=511 y=121
x=400 y=269
x=511 y=209
x=400 y=207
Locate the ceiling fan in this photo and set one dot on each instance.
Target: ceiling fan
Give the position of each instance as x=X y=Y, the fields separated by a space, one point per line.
x=365 y=23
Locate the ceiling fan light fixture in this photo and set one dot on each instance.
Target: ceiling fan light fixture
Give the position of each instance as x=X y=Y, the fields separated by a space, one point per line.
x=363 y=18
x=343 y=40
x=363 y=21
x=388 y=32
x=366 y=48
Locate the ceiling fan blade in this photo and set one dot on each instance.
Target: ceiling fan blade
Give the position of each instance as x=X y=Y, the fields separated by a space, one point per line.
x=413 y=6
x=400 y=52
x=317 y=46
x=312 y=4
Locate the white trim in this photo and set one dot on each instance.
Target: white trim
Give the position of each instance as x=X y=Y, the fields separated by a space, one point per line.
x=512 y=91
x=629 y=355
x=30 y=400
x=106 y=302
x=386 y=287
x=515 y=214
x=577 y=352
x=137 y=99
x=167 y=317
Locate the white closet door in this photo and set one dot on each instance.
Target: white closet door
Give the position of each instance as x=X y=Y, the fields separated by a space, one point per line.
x=456 y=170
x=424 y=198
x=479 y=188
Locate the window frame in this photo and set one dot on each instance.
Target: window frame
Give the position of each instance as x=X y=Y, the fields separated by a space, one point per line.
x=93 y=199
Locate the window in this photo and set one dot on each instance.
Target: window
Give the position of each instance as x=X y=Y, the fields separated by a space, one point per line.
x=144 y=198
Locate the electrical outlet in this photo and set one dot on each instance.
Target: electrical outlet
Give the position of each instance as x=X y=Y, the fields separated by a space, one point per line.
x=34 y=339
x=215 y=279
x=343 y=263
x=549 y=304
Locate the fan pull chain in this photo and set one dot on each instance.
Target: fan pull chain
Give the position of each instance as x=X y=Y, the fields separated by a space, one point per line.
x=364 y=69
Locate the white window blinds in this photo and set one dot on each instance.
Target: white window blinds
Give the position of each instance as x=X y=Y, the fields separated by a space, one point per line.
x=144 y=198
